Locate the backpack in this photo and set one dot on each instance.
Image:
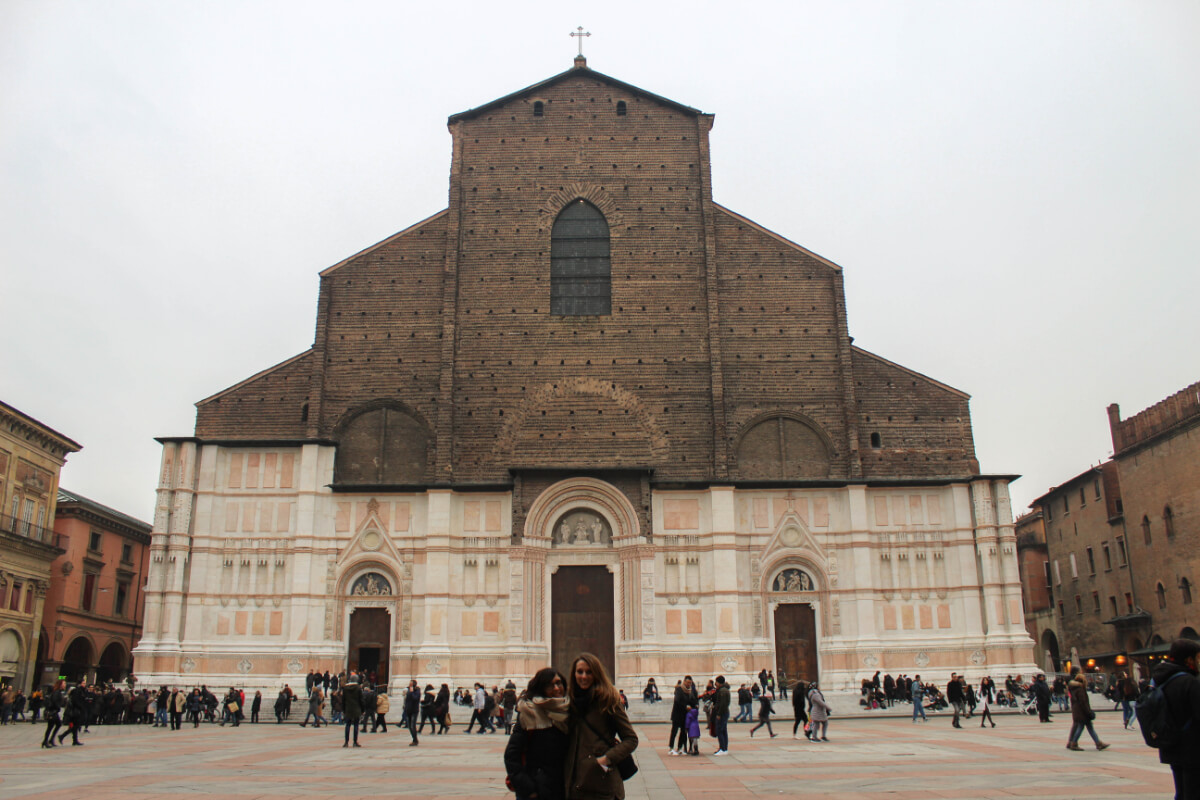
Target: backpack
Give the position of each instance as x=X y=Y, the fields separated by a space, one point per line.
x=488 y=703
x=1154 y=717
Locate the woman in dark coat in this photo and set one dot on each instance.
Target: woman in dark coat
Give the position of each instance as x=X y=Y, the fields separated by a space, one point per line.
x=1081 y=712
x=799 y=696
x=601 y=736
x=441 y=708
x=55 y=702
x=537 y=747
x=685 y=698
x=764 y=714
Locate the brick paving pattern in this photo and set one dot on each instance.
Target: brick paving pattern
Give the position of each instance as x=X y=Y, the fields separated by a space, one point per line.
x=867 y=758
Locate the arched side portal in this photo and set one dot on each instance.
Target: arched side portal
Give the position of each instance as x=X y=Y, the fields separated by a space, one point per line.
x=794 y=591
x=77 y=660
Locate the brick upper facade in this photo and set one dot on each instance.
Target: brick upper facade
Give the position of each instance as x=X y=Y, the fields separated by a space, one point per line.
x=443 y=335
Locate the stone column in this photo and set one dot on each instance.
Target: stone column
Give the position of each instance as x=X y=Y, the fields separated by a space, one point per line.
x=433 y=651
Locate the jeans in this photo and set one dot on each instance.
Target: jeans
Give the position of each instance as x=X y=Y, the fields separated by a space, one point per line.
x=351 y=723
x=1127 y=712
x=1077 y=732
x=721 y=724
x=918 y=708
x=763 y=721
x=160 y=717
x=747 y=711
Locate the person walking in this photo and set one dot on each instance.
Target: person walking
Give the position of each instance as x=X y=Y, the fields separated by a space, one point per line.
x=985 y=701
x=441 y=709
x=799 y=698
x=1176 y=675
x=918 y=698
x=412 y=705
x=74 y=713
x=1081 y=711
x=383 y=704
x=352 y=707
x=315 y=699
x=600 y=736
x=685 y=698
x=764 y=715
x=55 y=702
x=954 y=696
x=536 y=754
x=818 y=710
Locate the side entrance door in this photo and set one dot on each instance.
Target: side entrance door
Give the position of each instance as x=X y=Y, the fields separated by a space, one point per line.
x=581 y=617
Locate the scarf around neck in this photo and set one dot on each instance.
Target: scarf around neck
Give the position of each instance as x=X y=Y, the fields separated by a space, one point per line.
x=539 y=713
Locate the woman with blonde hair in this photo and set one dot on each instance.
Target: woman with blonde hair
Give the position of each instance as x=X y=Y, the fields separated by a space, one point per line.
x=600 y=734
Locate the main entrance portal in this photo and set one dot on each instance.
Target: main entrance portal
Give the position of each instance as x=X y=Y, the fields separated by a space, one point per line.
x=581 y=617
x=370 y=642
x=796 y=642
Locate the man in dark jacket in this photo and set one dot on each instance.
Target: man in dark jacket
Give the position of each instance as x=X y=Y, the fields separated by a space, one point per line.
x=1041 y=696
x=1183 y=701
x=721 y=716
x=954 y=696
x=352 y=707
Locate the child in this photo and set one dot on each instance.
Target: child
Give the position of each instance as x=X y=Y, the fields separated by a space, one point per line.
x=691 y=723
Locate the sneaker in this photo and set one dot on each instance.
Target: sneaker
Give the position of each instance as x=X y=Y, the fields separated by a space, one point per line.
x=674 y=753
x=721 y=753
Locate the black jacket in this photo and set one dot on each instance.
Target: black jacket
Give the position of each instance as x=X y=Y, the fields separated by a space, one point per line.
x=1183 y=700
x=683 y=700
x=534 y=761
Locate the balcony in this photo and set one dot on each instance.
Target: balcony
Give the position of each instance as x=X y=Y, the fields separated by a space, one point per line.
x=27 y=530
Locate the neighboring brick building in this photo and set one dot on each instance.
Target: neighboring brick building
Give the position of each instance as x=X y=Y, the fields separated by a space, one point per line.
x=31 y=456
x=584 y=406
x=1041 y=619
x=1158 y=454
x=96 y=600
x=1123 y=542
x=1090 y=576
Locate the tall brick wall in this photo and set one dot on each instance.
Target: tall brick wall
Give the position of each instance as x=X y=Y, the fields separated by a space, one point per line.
x=715 y=324
x=1181 y=408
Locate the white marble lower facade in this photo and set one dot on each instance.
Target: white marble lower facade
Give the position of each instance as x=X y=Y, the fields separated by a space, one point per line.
x=257 y=567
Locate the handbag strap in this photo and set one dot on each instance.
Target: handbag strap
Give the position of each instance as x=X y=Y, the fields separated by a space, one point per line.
x=616 y=739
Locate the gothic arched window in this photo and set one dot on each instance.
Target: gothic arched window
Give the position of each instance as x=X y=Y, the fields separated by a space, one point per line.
x=580 y=270
x=1185 y=588
x=383 y=445
x=1169 y=521
x=1161 y=592
x=1146 y=528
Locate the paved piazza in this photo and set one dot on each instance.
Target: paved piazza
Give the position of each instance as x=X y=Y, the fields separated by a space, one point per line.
x=868 y=758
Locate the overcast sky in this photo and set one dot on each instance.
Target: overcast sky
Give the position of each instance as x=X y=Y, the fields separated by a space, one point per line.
x=1011 y=187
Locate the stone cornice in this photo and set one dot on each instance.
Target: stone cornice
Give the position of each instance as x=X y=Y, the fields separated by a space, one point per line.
x=49 y=439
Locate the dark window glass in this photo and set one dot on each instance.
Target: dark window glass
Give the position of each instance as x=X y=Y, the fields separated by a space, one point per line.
x=539 y=108
x=580 y=271
x=621 y=108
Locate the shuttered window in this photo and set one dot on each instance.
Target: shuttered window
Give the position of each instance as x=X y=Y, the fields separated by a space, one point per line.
x=580 y=271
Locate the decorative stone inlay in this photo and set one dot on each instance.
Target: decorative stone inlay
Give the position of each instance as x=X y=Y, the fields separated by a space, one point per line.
x=791 y=537
x=68 y=567
x=295 y=665
x=371 y=540
x=921 y=659
x=434 y=666
x=978 y=657
x=372 y=585
x=729 y=663
x=582 y=527
x=188 y=664
x=244 y=666
x=870 y=661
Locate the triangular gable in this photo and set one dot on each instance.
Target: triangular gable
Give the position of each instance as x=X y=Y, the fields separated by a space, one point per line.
x=792 y=539
x=777 y=237
x=860 y=352
x=255 y=377
x=385 y=242
x=574 y=72
x=371 y=540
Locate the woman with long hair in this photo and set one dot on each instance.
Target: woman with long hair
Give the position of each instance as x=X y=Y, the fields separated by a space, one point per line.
x=537 y=747
x=601 y=736
x=1081 y=712
x=441 y=708
x=55 y=701
x=685 y=698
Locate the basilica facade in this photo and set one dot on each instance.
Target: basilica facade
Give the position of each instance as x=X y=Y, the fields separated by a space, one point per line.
x=584 y=407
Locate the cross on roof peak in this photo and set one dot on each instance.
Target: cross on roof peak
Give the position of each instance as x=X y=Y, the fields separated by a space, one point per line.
x=579 y=33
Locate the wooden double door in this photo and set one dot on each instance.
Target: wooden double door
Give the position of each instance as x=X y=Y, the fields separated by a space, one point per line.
x=582 y=618
x=795 y=643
